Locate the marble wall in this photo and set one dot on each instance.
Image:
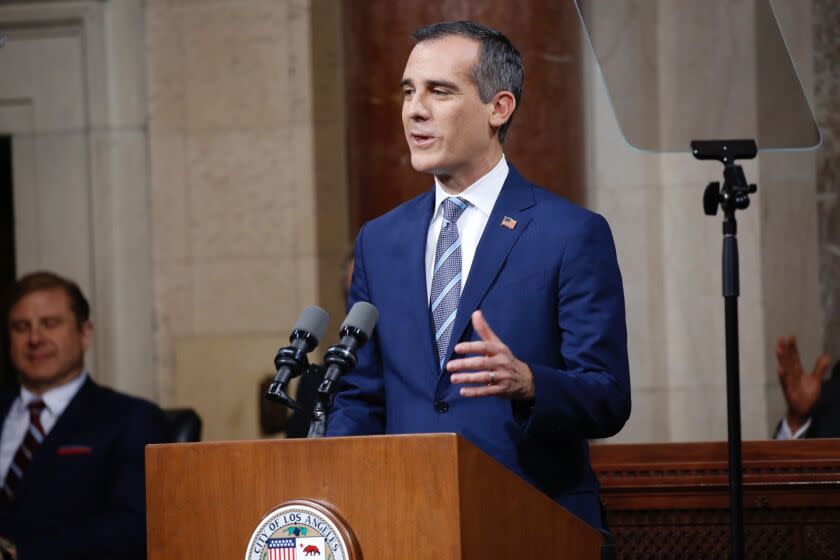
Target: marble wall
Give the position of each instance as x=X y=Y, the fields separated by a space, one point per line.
x=247 y=189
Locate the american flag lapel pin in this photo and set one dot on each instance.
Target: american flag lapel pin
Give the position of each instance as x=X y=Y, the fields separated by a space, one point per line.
x=507 y=222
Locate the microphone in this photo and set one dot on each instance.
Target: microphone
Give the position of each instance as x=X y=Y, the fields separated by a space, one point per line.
x=291 y=360
x=340 y=359
x=355 y=331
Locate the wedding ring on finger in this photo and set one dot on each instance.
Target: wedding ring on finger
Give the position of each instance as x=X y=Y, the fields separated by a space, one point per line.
x=492 y=377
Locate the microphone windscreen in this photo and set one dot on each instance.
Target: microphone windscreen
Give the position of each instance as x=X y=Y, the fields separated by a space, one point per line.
x=362 y=316
x=313 y=320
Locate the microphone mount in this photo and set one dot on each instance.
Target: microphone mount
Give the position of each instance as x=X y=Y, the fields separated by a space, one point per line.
x=294 y=358
x=735 y=194
x=339 y=359
x=343 y=357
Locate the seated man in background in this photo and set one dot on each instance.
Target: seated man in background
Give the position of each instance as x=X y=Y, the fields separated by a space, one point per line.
x=71 y=451
x=813 y=405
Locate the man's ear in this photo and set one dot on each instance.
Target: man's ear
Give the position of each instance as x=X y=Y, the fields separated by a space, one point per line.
x=504 y=104
x=87 y=334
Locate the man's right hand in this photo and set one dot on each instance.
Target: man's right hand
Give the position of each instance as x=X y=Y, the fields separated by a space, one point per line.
x=801 y=390
x=7 y=550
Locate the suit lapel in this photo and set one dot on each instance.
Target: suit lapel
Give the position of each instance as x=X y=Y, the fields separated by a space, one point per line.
x=78 y=410
x=496 y=242
x=414 y=276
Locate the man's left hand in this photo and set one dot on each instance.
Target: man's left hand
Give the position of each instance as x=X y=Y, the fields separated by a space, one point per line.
x=7 y=549
x=494 y=370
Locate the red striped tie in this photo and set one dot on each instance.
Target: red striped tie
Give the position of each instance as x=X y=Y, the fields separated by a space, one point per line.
x=31 y=442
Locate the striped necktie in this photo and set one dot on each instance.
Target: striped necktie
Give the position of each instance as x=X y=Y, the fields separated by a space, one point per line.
x=446 y=278
x=31 y=442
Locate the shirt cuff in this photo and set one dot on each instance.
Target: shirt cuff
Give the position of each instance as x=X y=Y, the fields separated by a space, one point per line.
x=785 y=433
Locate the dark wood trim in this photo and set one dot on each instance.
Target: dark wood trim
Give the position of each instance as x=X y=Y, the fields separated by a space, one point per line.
x=672 y=500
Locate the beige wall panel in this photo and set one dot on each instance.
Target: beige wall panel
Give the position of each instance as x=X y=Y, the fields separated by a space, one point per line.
x=248 y=184
x=237 y=60
x=219 y=377
x=242 y=197
x=169 y=197
x=240 y=295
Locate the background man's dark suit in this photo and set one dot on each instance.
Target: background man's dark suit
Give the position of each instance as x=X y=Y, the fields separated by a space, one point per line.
x=83 y=495
x=825 y=422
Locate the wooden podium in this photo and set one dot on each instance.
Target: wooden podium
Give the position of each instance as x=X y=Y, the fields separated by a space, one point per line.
x=412 y=496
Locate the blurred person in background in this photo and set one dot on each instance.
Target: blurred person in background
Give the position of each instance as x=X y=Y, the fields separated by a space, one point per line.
x=813 y=402
x=71 y=451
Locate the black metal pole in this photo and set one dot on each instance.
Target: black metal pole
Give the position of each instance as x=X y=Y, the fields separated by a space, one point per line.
x=318 y=427
x=731 y=291
x=734 y=196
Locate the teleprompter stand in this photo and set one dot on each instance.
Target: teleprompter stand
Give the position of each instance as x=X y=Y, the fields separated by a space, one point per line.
x=733 y=196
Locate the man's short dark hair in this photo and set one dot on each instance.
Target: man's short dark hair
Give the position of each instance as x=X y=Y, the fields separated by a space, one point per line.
x=499 y=66
x=42 y=281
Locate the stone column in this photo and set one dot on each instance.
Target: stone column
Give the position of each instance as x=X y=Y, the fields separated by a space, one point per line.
x=248 y=191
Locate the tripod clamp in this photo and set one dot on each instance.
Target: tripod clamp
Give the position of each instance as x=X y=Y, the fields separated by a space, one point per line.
x=736 y=192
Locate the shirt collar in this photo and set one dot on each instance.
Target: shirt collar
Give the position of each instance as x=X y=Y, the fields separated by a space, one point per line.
x=56 y=399
x=483 y=193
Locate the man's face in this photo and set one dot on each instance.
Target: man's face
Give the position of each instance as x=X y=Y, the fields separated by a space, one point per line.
x=446 y=124
x=47 y=345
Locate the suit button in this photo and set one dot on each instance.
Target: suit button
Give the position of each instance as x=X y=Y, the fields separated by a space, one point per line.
x=441 y=406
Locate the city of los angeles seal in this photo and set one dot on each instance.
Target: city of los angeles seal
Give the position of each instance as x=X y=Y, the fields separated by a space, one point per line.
x=299 y=530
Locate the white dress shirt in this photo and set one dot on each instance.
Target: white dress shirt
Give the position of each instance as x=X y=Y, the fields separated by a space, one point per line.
x=482 y=197
x=17 y=420
x=785 y=433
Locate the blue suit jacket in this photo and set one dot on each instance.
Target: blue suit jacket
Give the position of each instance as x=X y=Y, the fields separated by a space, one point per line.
x=551 y=290
x=83 y=495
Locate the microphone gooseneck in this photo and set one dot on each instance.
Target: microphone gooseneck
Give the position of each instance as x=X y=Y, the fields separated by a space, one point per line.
x=291 y=361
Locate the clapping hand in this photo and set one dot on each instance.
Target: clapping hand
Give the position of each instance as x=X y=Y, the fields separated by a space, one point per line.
x=801 y=390
x=7 y=550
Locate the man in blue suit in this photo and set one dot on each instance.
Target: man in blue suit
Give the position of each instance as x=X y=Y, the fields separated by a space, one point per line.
x=71 y=451
x=501 y=304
